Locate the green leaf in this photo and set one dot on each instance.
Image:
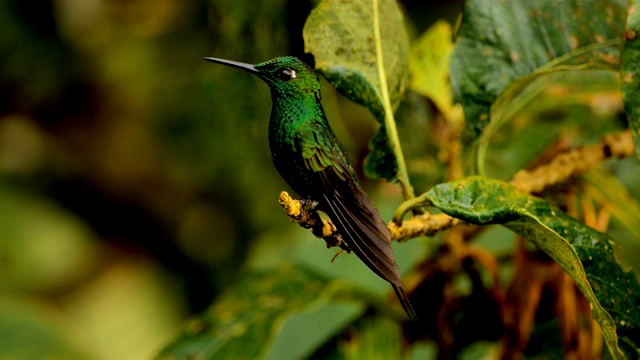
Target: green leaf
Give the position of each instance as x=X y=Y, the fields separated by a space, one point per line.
x=374 y=337
x=303 y=333
x=504 y=47
x=340 y=35
x=624 y=209
x=30 y=330
x=425 y=350
x=261 y=314
x=623 y=206
x=429 y=65
x=587 y=255
x=630 y=72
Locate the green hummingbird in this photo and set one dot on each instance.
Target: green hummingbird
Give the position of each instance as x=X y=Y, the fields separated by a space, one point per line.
x=308 y=156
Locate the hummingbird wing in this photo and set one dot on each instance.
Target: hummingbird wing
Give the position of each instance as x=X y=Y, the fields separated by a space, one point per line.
x=335 y=186
x=341 y=197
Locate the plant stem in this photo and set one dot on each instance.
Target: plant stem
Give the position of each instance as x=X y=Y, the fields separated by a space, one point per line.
x=389 y=121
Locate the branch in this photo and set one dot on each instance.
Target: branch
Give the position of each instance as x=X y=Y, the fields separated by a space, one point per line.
x=421 y=225
x=560 y=169
x=574 y=162
x=303 y=213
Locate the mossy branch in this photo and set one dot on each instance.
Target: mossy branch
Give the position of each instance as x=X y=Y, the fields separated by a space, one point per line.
x=304 y=214
x=574 y=162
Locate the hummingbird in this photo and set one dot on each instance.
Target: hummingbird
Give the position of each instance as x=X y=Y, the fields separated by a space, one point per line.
x=308 y=156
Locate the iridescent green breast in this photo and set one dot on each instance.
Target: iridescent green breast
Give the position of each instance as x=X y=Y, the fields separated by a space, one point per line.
x=303 y=144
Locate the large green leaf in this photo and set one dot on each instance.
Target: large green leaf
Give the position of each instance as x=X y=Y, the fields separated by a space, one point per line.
x=504 y=47
x=340 y=34
x=303 y=333
x=587 y=255
x=630 y=71
x=262 y=314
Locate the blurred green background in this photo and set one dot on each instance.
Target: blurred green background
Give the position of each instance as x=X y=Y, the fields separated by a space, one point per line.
x=135 y=178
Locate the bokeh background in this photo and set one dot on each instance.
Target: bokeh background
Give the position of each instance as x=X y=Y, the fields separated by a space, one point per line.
x=135 y=178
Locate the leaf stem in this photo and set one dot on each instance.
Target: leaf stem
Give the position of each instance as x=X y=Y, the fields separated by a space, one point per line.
x=389 y=121
x=409 y=205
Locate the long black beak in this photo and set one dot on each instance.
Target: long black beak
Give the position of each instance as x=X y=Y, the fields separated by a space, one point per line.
x=246 y=67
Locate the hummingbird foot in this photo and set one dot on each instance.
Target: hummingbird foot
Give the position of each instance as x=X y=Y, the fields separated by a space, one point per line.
x=336 y=255
x=304 y=213
x=297 y=209
x=308 y=204
x=334 y=240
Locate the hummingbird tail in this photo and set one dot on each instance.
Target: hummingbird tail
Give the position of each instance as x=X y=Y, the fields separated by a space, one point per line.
x=404 y=301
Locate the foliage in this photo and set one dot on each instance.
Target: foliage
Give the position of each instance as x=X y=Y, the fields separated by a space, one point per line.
x=585 y=254
x=498 y=68
x=629 y=70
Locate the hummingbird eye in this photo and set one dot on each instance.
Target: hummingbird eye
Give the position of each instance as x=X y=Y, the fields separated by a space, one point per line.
x=287 y=74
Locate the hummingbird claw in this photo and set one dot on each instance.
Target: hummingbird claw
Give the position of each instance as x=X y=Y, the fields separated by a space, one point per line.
x=308 y=204
x=336 y=255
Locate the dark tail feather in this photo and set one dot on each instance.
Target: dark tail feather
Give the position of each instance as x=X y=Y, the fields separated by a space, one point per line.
x=404 y=301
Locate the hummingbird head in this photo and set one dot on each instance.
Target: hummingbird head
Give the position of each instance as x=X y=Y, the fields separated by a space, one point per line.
x=286 y=76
